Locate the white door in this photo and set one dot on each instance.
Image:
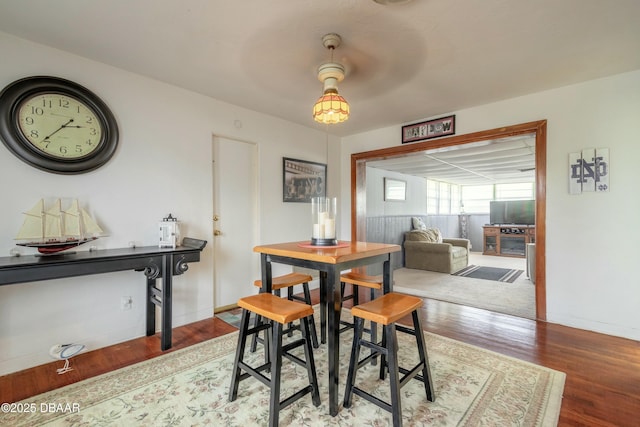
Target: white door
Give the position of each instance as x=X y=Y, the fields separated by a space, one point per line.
x=235 y=201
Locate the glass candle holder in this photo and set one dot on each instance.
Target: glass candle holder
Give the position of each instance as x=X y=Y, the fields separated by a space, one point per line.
x=323 y=216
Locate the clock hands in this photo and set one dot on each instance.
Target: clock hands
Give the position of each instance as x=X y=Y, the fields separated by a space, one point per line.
x=66 y=125
x=57 y=130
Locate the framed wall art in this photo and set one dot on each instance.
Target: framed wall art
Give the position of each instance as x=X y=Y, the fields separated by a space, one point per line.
x=303 y=180
x=589 y=171
x=429 y=129
x=395 y=190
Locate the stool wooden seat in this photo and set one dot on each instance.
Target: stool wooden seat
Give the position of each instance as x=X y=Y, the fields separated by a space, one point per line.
x=387 y=310
x=374 y=283
x=358 y=279
x=288 y=281
x=279 y=311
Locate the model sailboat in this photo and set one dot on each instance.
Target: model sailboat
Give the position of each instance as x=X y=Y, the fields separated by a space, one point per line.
x=55 y=230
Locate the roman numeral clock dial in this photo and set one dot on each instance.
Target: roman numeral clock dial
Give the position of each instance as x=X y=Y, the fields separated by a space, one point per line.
x=56 y=125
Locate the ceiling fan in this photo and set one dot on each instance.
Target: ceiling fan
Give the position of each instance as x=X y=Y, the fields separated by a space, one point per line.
x=392 y=1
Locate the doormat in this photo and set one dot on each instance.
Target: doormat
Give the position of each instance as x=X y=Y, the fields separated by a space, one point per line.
x=489 y=273
x=232 y=317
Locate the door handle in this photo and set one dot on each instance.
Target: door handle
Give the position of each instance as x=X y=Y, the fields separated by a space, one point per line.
x=217 y=232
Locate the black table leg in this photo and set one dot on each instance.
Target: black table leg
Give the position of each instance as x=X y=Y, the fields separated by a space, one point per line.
x=387 y=276
x=167 y=277
x=151 y=307
x=323 y=307
x=334 y=306
x=265 y=268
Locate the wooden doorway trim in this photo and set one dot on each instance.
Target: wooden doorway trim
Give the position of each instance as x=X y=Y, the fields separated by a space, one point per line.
x=539 y=128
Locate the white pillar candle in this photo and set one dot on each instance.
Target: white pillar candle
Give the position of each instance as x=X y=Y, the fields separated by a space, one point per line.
x=318 y=231
x=330 y=228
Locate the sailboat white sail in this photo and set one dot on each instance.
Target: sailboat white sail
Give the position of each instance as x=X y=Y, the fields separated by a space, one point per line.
x=33 y=225
x=72 y=220
x=53 y=222
x=55 y=230
x=89 y=226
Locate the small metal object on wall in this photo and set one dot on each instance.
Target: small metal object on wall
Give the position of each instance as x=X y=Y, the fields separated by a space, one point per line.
x=589 y=171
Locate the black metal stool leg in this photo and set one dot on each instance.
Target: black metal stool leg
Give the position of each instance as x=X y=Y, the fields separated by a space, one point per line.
x=242 y=339
x=373 y=328
x=353 y=365
x=383 y=356
x=426 y=370
x=290 y=298
x=310 y=362
x=276 y=368
x=254 y=341
x=394 y=374
x=314 y=332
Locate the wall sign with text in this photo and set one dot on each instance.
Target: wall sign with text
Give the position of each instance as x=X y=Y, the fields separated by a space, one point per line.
x=429 y=129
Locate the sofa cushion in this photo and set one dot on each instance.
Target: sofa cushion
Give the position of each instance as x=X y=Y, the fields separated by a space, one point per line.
x=431 y=235
x=458 y=252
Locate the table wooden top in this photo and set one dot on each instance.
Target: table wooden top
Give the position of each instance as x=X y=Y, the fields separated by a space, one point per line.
x=347 y=251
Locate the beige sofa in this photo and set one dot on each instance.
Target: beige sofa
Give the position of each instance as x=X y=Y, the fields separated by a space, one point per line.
x=427 y=250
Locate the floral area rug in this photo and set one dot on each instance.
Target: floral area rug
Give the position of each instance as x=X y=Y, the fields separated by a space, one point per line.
x=189 y=387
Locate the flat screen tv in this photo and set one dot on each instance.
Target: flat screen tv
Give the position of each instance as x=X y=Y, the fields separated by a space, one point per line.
x=513 y=212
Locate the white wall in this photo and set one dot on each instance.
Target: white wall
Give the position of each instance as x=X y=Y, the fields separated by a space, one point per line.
x=416 y=200
x=162 y=165
x=592 y=239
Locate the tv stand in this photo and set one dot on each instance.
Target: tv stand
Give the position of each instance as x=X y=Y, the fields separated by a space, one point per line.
x=507 y=239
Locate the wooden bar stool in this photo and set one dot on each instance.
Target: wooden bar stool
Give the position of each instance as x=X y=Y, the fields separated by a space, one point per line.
x=374 y=283
x=386 y=310
x=279 y=311
x=289 y=281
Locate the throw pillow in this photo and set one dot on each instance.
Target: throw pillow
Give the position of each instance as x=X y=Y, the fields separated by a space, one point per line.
x=435 y=234
x=431 y=235
x=418 y=224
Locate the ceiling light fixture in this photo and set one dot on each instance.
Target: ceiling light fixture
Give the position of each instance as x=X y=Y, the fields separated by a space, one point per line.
x=331 y=107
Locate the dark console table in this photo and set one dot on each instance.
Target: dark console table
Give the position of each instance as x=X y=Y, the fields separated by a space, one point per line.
x=156 y=263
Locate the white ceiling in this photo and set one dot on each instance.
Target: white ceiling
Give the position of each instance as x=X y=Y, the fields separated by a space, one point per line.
x=506 y=160
x=405 y=62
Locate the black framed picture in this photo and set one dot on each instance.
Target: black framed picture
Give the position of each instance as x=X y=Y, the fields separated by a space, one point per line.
x=303 y=180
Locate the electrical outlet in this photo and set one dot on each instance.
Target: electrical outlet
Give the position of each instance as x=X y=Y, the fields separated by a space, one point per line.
x=126 y=303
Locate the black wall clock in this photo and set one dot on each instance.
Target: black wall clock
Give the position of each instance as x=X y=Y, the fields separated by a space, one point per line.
x=57 y=125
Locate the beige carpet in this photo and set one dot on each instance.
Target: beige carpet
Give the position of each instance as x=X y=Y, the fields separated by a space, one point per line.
x=517 y=299
x=189 y=387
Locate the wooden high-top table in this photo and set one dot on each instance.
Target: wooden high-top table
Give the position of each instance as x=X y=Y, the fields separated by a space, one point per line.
x=330 y=262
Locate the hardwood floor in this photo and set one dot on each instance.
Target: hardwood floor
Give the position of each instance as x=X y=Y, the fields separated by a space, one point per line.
x=603 y=372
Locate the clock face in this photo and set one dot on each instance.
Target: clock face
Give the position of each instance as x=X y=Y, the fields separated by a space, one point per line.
x=56 y=125
x=59 y=126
